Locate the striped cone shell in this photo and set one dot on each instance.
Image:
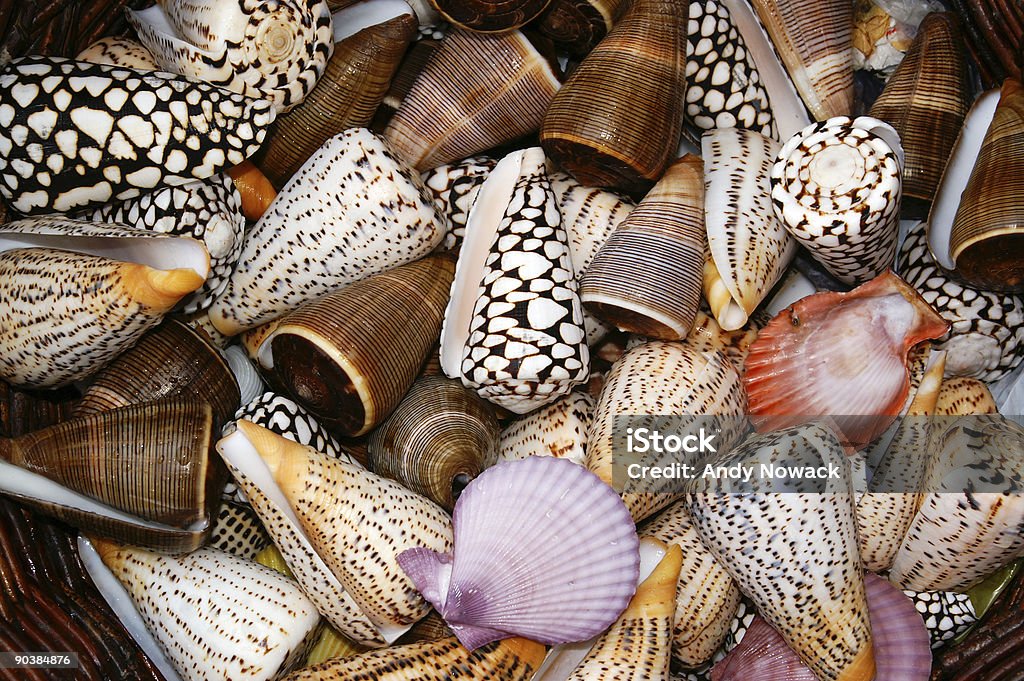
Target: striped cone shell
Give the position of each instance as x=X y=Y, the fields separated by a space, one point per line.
x=836 y=188
x=646 y=277
x=119 y=52
x=75 y=134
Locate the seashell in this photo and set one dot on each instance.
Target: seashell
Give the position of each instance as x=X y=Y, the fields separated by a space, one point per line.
x=369 y=41
x=816 y=48
x=836 y=189
x=200 y=322
x=795 y=370
x=530 y=559
x=475 y=92
x=239 y=531
x=436 y=441
x=291 y=421
x=208 y=211
x=579 y=25
x=353 y=209
x=331 y=645
x=102 y=287
x=984 y=241
x=963 y=396
x=255 y=189
x=186 y=600
x=617 y=120
x=986 y=338
x=171 y=361
x=141 y=473
x=968 y=524
x=350 y=356
x=750 y=249
x=925 y=101
x=513 y=330
x=405 y=76
x=77 y=135
x=947 y=614
x=430 y=628
x=724 y=88
x=250 y=385
x=336 y=505
x=707 y=597
x=513 y=659
x=455 y=187
x=638 y=643
x=656 y=297
x=648 y=380
x=763 y=654
x=707 y=336
x=806 y=541
x=490 y=16
x=275 y=52
x=117 y=51
x=559 y=430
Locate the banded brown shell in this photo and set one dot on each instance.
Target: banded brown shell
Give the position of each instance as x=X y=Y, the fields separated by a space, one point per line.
x=579 y=25
x=490 y=16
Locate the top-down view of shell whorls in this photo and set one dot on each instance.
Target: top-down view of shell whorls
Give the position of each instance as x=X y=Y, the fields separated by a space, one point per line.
x=512 y=340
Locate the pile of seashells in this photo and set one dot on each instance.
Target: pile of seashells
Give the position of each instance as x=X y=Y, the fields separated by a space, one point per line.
x=355 y=296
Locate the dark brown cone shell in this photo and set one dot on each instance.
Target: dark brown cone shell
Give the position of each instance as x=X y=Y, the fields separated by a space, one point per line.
x=579 y=25
x=490 y=16
x=350 y=356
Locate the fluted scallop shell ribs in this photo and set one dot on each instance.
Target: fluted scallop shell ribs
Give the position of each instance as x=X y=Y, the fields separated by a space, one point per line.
x=239 y=531
x=723 y=86
x=513 y=329
x=794 y=554
x=241 y=451
x=370 y=40
x=543 y=549
x=707 y=597
x=490 y=16
x=70 y=305
x=947 y=614
x=668 y=379
x=986 y=338
x=750 y=249
x=925 y=101
x=475 y=92
x=579 y=25
x=514 y=659
x=816 y=46
x=862 y=383
x=559 y=430
x=616 y=122
x=75 y=134
x=273 y=51
x=352 y=210
x=968 y=525
x=836 y=187
x=455 y=187
x=638 y=644
x=436 y=441
x=654 y=296
x=117 y=51
x=208 y=210
x=216 y=615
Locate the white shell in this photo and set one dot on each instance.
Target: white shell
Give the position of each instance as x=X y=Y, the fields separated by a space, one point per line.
x=559 y=430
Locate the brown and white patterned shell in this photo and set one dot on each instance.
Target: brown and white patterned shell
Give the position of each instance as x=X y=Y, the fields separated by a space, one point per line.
x=238 y=530
x=119 y=52
x=559 y=430
x=490 y=16
x=455 y=187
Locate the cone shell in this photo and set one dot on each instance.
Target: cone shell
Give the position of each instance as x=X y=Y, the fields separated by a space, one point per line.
x=656 y=297
x=119 y=52
x=925 y=101
x=455 y=187
x=796 y=370
x=171 y=361
x=947 y=614
x=350 y=356
x=559 y=430
x=816 y=46
x=113 y=133
x=986 y=240
x=475 y=92
x=986 y=338
x=215 y=614
x=370 y=39
x=436 y=441
x=275 y=52
x=671 y=379
x=579 y=25
x=963 y=396
x=616 y=122
x=513 y=329
x=543 y=549
x=807 y=542
x=353 y=209
x=836 y=189
x=589 y=216
x=707 y=336
x=95 y=306
x=239 y=531
x=513 y=659
x=490 y=16
x=291 y=421
x=750 y=249
x=707 y=597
